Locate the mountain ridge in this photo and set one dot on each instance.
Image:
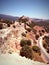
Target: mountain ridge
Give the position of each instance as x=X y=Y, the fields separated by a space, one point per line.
x=9 y=17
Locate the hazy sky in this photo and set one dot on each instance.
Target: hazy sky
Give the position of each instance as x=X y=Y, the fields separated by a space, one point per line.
x=31 y=8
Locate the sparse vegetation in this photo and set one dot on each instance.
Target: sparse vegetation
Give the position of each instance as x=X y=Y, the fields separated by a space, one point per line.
x=34 y=31
x=46 y=44
x=47 y=40
x=32 y=24
x=23 y=20
x=3 y=25
x=47 y=29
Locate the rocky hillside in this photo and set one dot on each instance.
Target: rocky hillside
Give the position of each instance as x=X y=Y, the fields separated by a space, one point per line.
x=22 y=29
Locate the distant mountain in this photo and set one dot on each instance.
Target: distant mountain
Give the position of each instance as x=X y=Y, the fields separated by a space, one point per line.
x=8 y=17
x=40 y=20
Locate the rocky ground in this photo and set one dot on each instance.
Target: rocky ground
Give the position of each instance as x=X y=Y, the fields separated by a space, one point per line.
x=15 y=59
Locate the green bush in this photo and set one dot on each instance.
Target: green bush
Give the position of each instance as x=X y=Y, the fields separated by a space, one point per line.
x=28 y=42
x=26 y=51
x=25 y=42
x=36 y=49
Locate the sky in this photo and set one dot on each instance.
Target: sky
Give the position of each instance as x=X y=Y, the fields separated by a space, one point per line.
x=30 y=8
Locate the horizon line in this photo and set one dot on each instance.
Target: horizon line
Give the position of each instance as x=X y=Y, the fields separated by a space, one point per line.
x=26 y=16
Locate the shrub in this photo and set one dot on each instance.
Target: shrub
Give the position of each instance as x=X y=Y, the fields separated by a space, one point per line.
x=23 y=34
x=36 y=36
x=45 y=45
x=36 y=49
x=14 y=26
x=47 y=50
x=47 y=29
x=10 y=51
x=28 y=42
x=23 y=42
x=25 y=31
x=1 y=26
x=8 y=25
x=26 y=51
x=40 y=33
x=43 y=31
x=47 y=40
